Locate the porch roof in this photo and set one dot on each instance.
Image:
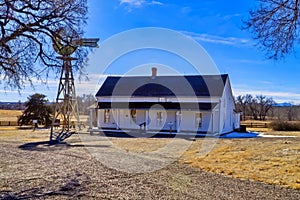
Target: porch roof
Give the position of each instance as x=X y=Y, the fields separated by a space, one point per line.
x=153 y=105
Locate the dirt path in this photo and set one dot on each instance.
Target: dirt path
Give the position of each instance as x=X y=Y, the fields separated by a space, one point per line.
x=68 y=171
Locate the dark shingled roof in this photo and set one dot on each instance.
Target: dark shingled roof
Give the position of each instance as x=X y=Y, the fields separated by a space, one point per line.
x=163 y=86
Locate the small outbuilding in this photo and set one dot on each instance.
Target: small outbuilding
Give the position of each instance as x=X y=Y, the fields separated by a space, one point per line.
x=187 y=103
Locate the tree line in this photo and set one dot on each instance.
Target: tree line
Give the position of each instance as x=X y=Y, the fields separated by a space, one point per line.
x=257 y=106
x=260 y=107
x=38 y=107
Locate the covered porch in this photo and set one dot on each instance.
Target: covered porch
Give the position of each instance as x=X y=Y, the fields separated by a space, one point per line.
x=166 y=117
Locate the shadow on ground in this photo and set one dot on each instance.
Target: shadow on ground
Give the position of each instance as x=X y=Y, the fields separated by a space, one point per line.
x=53 y=146
x=181 y=135
x=71 y=189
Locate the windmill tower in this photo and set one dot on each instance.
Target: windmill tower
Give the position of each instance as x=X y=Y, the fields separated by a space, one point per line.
x=66 y=117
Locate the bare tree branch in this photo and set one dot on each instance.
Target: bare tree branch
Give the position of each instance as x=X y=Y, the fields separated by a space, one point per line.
x=27 y=29
x=275 y=26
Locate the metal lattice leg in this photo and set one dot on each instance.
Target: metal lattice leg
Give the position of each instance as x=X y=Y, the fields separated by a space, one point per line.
x=66 y=118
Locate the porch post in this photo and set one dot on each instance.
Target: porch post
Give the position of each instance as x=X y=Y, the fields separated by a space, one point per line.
x=91 y=118
x=118 y=118
x=178 y=121
x=220 y=117
x=147 y=120
x=98 y=118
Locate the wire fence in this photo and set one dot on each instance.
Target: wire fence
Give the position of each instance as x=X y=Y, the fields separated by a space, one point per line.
x=256 y=124
x=9 y=123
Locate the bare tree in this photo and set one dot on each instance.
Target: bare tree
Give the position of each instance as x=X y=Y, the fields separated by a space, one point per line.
x=243 y=103
x=257 y=107
x=84 y=102
x=27 y=31
x=291 y=112
x=275 y=25
x=253 y=106
x=264 y=105
x=240 y=105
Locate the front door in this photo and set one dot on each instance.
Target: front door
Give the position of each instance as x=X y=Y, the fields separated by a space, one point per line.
x=140 y=117
x=170 y=122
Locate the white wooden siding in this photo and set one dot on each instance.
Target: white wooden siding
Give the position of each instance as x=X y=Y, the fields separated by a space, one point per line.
x=111 y=123
x=168 y=118
x=227 y=107
x=188 y=121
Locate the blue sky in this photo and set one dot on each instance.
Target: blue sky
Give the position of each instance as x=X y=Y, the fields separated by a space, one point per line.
x=214 y=24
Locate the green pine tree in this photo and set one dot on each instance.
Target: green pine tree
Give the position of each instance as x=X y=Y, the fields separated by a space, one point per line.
x=36 y=109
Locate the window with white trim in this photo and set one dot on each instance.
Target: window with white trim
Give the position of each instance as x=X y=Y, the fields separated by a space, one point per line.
x=133 y=115
x=106 y=116
x=159 y=118
x=198 y=120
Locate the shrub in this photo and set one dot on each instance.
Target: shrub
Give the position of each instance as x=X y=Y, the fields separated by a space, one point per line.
x=285 y=126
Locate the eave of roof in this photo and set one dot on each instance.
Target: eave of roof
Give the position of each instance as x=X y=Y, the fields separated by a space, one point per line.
x=148 y=105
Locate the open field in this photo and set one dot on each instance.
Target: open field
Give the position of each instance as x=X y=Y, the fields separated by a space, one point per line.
x=9 y=115
x=30 y=168
x=270 y=160
x=12 y=117
x=267 y=130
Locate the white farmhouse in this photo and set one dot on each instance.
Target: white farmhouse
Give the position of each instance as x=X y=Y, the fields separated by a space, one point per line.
x=195 y=103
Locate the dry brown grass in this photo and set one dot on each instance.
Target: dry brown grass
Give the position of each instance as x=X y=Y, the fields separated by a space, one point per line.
x=263 y=130
x=8 y=128
x=270 y=160
x=139 y=145
x=12 y=133
x=70 y=171
x=268 y=130
x=10 y=115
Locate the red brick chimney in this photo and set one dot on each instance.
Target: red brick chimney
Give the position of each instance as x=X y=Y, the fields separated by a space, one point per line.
x=154 y=72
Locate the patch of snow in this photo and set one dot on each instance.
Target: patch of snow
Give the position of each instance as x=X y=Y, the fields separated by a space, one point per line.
x=276 y=136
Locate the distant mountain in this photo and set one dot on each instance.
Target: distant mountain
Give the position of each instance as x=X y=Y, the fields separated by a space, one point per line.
x=12 y=105
x=285 y=104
